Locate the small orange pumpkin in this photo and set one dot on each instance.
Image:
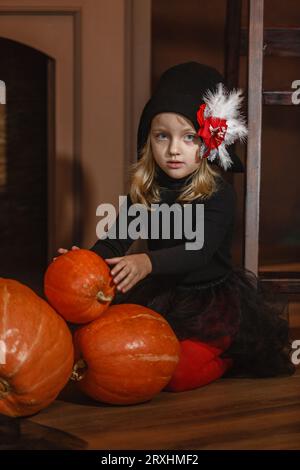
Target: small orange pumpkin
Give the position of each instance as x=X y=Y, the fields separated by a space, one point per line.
x=37 y=351
x=79 y=285
x=126 y=356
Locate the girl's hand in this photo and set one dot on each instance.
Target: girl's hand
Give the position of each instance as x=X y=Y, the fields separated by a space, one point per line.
x=62 y=251
x=129 y=270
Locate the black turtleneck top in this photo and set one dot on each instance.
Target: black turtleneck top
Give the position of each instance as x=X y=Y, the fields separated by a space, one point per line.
x=170 y=257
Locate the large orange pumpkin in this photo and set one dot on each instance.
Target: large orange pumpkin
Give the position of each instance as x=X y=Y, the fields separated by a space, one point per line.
x=126 y=356
x=37 y=351
x=79 y=285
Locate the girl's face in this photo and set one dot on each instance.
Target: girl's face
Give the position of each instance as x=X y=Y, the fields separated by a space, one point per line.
x=175 y=144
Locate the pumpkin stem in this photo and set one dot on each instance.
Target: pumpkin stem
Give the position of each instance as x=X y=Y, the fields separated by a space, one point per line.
x=102 y=297
x=4 y=388
x=79 y=370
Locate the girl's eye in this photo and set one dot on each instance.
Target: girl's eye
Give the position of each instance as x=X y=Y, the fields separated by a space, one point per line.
x=190 y=137
x=161 y=136
x=187 y=137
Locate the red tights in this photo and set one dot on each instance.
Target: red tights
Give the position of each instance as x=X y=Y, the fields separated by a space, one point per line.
x=199 y=364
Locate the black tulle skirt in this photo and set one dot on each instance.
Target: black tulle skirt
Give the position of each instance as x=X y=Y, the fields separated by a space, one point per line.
x=236 y=305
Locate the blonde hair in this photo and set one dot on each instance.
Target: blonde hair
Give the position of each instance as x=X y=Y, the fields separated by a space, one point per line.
x=144 y=188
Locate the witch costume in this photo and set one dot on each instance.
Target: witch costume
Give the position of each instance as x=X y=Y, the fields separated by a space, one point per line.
x=206 y=300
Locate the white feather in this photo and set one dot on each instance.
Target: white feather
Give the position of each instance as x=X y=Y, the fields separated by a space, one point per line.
x=224 y=157
x=222 y=103
x=226 y=105
x=213 y=154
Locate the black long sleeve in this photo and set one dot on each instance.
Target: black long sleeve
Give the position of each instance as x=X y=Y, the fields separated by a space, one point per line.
x=218 y=219
x=170 y=256
x=110 y=248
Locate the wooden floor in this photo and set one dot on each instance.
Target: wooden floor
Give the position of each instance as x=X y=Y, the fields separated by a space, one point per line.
x=227 y=414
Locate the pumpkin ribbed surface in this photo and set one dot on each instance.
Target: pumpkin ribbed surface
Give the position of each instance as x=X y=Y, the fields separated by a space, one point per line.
x=79 y=285
x=39 y=353
x=126 y=356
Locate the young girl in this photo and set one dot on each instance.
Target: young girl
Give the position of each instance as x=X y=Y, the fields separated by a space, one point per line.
x=219 y=313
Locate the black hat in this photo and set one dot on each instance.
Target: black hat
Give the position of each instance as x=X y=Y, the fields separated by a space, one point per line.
x=182 y=89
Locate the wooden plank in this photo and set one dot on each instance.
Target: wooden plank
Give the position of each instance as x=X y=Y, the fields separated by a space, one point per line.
x=254 y=137
x=278 y=98
x=286 y=285
x=284 y=42
x=227 y=414
x=231 y=55
x=232 y=41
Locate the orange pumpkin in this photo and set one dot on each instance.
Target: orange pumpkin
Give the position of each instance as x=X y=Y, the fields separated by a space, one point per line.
x=79 y=285
x=37 y=351
x=126 y=356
